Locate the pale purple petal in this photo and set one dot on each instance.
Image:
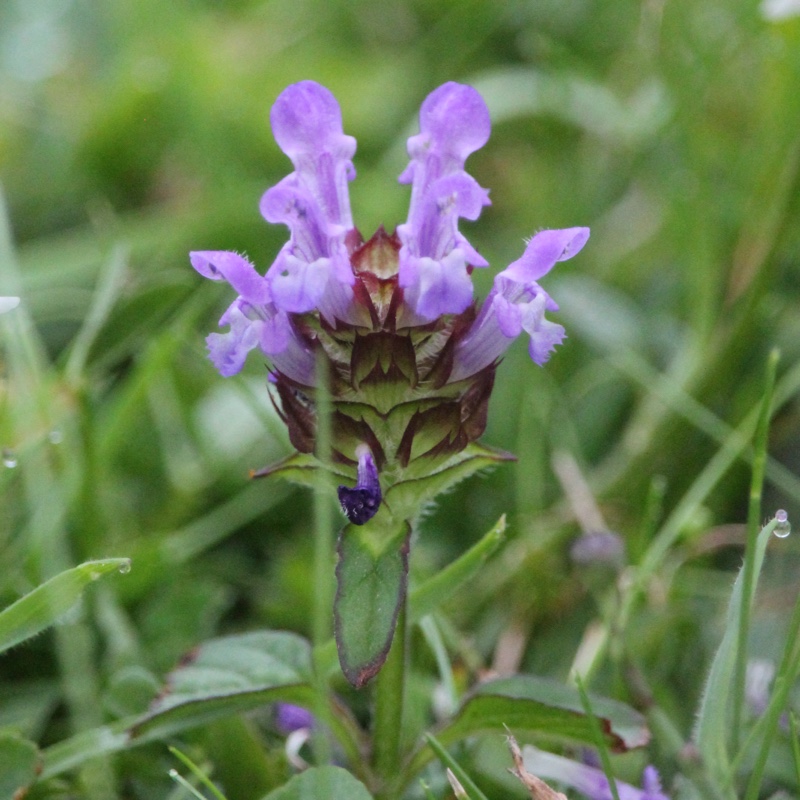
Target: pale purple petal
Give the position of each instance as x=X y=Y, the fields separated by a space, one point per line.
x=589 y=781
x=228 y=351
x=297 y=285
x=543 y=250
x=651 y=784
x=307 y=124
x=312 y=271
x=290 y=718
x=454 y=122
x=440 y=287
x=296 y=362
x=237 y=270
x=545 y=335
x=517 y=303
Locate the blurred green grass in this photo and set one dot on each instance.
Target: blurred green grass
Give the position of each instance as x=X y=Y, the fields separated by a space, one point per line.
x=133 y=132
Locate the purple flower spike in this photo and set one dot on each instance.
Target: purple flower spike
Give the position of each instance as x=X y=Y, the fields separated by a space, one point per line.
x=361 y=503
x=517 y=303
x=312 y=271
x=434 y=258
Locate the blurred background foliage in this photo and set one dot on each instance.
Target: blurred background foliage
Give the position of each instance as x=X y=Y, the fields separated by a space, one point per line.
x=132 y=132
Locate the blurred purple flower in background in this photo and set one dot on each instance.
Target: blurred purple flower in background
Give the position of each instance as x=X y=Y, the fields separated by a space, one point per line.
x=588 y=780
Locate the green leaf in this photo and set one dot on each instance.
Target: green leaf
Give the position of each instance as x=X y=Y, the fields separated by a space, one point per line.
x=547 y=707
x=20 y=761
x=407 y=498
x=713 y=721
x=299 y=468
x=43 y=606
x=372 y=577
x=229 y=675
x=330 y=783
x=428 y=596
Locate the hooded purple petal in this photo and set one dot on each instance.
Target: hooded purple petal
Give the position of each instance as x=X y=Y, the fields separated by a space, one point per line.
x=312 y=271
x=307 y=124
x=454 y=122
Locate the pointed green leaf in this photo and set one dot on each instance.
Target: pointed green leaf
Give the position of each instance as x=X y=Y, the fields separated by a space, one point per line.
x=372 y=576
x=299 y=468
x=229 y=675
x=428 y=596
x=713 y=720
x=547 y=707
x=407 y=498
x=330 y=783
x=19 y=765
x=43 y=606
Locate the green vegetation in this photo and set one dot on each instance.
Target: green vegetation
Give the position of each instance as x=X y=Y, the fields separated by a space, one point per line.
x=132 y=132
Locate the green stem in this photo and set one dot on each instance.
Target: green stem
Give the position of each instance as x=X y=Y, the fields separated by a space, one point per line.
x=322 y=619
x=753 y=526
x=387 y=725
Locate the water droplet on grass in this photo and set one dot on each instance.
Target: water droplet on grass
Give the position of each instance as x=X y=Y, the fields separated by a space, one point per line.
x=9 y=458
x=783 y=527
x=55 y=436
x=125 y=567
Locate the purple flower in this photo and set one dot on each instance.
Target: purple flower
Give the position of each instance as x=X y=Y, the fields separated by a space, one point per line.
x=312 y=270
x=517 y=303
x=589 y=781
x=361 y=503
x=435 y=256
x=598 y=547
x=325 y=283
x=254 y=320
x=290 y=718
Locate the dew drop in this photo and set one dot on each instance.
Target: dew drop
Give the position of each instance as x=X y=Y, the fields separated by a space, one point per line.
x=125 y=567
x=782 y=525
x=9 y=458
x=55 y=436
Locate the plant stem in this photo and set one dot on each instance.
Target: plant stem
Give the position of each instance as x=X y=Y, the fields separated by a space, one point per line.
x=387 y=725
x=322 y=619
x=760 y=444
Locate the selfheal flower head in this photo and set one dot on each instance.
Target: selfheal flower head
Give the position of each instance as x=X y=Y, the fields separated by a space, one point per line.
x=411 y=360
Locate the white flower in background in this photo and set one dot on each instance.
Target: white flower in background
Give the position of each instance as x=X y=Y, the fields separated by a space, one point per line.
x=7 y=303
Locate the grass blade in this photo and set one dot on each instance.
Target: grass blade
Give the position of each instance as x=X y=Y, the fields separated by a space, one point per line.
x=43 y=606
